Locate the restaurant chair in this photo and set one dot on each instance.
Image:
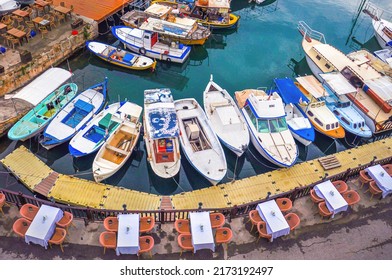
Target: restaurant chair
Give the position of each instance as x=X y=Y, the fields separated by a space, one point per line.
x=28 y=211
x=262 y=230
x=3 y=203
x=66 y=221
x=388 y=168
x=324 y=211
x=60 y=17
x=314 y=197
x=293 y=220
x=182 y=226
x=43 y=31
x=364 y=178
x=146 y=224
x=217 y=220
x=223 y=236
x=52 y=22
x=254 y=217
x=185 y=242
x=284 y=204
x=111 y=224
x=146 y=243
x=341 y=186
x=21 y=226
x=108 y=239
x=30 y=24
x=351 y=197
x=58 y=238
x=374 y=189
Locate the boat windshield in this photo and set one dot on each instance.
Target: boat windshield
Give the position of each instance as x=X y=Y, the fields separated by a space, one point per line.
x=343 y=104
x=273 y=126
x=262 y=126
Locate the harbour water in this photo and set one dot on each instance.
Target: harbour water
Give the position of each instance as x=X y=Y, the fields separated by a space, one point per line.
x=265 y=46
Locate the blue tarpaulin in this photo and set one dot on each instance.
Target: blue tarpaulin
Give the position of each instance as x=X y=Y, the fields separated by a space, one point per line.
x=389 y=44
x=128 y=57
x=84 y=106
x=163 y=123
x=289 y=91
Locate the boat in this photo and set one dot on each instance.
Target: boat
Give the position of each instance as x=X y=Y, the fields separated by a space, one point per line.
x=8 y=6
x=119 y=146
x=149 y=44
x=39 y=117
x=265 y=117
x=74 y=116
x=296 y=119
x=365 y=58
x=121 y=57
x=212 y=13
x=321 y=117
x=89 y=139
x=225 y=117
x=382 y=27
x=374 y=91
x=385 y=55
x=161 y=132
x=158 y=18
x=199 y=142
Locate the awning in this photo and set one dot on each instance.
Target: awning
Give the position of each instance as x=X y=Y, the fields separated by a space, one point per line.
x=43 y=85
x=338 y=83
x=312 y=85
x=289 y=91
x=131 y=109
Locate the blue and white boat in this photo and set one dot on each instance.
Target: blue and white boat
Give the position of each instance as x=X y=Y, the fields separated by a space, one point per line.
x=297 y=120
x=94 y=134
x=148 y=43
x=265 y=117
x=74 y=116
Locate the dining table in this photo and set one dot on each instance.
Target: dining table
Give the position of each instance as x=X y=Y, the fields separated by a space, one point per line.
x=128 y=234
x=275 y=222
x=43 y=225
x=382 y=179
x=21 y=13
x=19 y=34
x=63 y=10
x=201 y=230
x=333 y=199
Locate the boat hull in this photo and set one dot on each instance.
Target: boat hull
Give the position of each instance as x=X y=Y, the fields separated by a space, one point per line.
x=300 y=139
x=378 y=26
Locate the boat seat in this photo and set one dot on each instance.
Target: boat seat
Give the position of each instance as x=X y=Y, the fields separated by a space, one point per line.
x=219 y=104
x=117 y=150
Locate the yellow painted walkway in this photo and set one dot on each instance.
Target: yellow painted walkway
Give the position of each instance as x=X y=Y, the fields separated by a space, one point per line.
x=76 y=191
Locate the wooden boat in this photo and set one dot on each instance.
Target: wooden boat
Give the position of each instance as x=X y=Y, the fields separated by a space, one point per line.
x=364 y=57
x=382 y=24
x=37 y=118
x=226 y=120
x=119 y=146
x=149 y=44
x=74 y=116
x=297 y=120
x=89 y=139
x=199 y=142
x=8 y=6
x=158 y=18
x=374 y=91
x=121 y=57
x=265 y=117
x=161 y=132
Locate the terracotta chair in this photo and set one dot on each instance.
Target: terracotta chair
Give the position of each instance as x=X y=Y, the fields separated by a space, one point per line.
x=146 y=244
x=374 y=189
x=223 y=236
x=146 y=224
x=111 y=224
x=323 y=210
x=20 y=226
x=293 y=220
x=352 y=197
x=255 y=218
x=341 y=186
x=58 y=238
x=364 y=178
x=28 y=211
x=314 y=197
x=108 y=239
x=262 y=229
x=185 y=242
x=66 y=221
x=388 y=168
x=284 y=204
x=217 y=220
x=182 y=226
x=3 y=203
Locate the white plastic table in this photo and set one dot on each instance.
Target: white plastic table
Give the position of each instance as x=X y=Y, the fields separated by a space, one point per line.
x=128 y=234
x=333 y=199
x=202 y=237
x=43 y=225
x=382 y=178
x=276 y=223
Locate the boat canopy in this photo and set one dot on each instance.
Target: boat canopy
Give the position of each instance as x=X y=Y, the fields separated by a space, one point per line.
x=131 y=109
x=221 y=4
x=158 y=10
x=162 y=121
x=289 y=92
x=43 y=85
x=312 y=85
x=382 y=86
x=338 y=83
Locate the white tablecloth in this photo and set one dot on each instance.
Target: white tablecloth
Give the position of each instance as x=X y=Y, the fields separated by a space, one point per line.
x=43 y=226
x=202 y=237
x=273 y=217
x=333 y=199
x=128 y=234
x=382 y=178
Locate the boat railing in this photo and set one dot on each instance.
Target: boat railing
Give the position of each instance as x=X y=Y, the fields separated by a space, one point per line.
x=376 y=12
x=309 y=34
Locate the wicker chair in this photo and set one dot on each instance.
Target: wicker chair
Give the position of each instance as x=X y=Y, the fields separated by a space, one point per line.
x=108 y=239
x=262 y=229
x=58 y=238
x=284 y=204
x=324 y=211
x=341 y=186
x=374 y=189
x=146 y=244
x=293 y=220
x=182 y=226
x=185 y=242
x=255 y=218
x=217 y=220
x=146 y=224
x=21 y=226
x=28 y=211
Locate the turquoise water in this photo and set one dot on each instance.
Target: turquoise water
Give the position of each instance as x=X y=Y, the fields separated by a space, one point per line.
x=261 y=49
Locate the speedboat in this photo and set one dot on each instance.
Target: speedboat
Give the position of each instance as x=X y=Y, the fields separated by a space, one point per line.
x=8 y=6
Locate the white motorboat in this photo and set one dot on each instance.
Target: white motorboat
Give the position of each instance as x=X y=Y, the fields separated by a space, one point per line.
x=8 y=6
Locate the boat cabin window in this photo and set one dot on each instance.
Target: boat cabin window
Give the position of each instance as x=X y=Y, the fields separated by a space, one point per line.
x=355 y=125
x=251 y=115
x=328 y=127
x=319 y=122
x=318 y=57
x=336 y=112
x=342 y=104
x=310 y=113
x=352 y=77
x=332 y=125
x=146 y=37
x=336 y=124
x=278 y=125
x=327 y=66
x=262 y=126
x=345 y=120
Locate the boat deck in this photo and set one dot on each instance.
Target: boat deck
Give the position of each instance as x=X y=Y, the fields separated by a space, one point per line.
x=71 y=190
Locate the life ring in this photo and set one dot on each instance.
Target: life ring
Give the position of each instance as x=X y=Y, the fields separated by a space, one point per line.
x=168 y=59
x=142 y=51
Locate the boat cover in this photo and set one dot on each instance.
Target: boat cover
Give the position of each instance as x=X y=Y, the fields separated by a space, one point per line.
x=338 y=83
x=289 y=91
x=163 y=123
x=43 y=85
x=389 y=44
x=128 y=57
x=312 y=85
x=84 y=106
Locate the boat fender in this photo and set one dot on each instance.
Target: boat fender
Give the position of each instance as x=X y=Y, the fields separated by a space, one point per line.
x=142 y=51
x=168 y=59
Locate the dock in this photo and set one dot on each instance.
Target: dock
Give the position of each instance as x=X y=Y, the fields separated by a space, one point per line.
x=38 y=177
